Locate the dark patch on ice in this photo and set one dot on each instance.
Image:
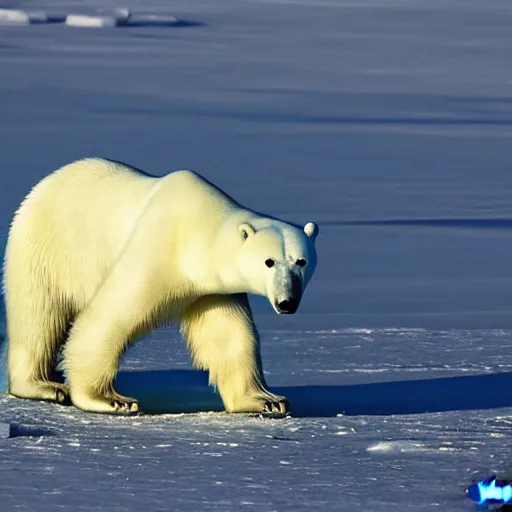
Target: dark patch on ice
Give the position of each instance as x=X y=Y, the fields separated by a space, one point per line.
x=28 y=431
x=340 y=120
x=307 y=106
x=280 y=438
x=298 y=118
x=55 y=18
x=341 y=109
x=471 y=223
x=156 y=23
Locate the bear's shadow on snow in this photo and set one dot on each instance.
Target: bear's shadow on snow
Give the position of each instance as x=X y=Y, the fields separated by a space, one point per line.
x=187 y=391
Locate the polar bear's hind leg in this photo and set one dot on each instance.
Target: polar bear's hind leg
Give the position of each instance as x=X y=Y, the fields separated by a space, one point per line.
x=91 y=360
x=103 y=331
x=35 y=333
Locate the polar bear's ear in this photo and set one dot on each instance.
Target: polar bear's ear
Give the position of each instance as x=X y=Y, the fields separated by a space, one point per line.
x=311 y=230
x=246 y=230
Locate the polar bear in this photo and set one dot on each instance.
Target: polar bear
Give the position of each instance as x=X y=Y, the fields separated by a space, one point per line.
x=99 y=253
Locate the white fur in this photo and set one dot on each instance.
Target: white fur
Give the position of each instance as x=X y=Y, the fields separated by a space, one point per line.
x=99 y=253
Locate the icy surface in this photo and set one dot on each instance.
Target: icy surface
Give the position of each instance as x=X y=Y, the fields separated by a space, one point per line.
x=389 y=122
x=5 y=430
x=385 y=453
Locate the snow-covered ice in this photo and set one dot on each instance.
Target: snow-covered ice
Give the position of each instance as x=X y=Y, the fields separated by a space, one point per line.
x=82 y=20
x=362 y=438
x=5 y=430
x=387 y=122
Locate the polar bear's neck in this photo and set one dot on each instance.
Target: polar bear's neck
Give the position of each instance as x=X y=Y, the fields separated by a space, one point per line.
x=208 y=255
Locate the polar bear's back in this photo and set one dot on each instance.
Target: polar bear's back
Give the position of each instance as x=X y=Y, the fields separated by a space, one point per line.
x=75 y=222
x=82 y=219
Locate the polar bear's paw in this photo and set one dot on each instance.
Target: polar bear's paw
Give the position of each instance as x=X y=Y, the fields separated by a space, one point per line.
x=266 y=404
x=111 y=403
x=41 y=390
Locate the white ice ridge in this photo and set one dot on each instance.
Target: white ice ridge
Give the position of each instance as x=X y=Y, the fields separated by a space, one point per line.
x=120 y=17
x=79 y=20
x=19 y=17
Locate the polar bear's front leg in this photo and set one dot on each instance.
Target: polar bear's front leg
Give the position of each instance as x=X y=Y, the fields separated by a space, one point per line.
x=222 y=338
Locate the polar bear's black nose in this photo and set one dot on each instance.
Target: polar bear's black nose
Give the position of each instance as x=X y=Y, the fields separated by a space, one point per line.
x=288 y=306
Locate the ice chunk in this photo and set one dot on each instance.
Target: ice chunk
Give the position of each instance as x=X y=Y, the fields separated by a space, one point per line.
x=80 y=20
x=19 y=17
x=122 y=15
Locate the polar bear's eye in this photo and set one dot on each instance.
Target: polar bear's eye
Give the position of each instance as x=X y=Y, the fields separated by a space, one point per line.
x=270 y=263
x=301 y=262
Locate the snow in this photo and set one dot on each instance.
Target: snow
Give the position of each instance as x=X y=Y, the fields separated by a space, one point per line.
x=388 y=123
x=5 y=430
x=361 y=436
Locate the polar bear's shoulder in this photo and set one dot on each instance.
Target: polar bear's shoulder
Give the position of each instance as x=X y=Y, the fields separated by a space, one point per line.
x=187 y=176
x=188 y=184
x=191 y=182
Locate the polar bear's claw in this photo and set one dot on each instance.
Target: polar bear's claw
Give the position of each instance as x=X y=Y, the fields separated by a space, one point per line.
x=125 y=406
x=62 y=395
x=279 y=408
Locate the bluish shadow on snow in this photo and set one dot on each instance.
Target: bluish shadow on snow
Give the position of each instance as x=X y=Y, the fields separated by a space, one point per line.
x=55 y=18
x=156 y=22
x=169 y=391
x=470 y=223
x=403 y=397
x=298 y=118
x=187 y=391
x=371 y=109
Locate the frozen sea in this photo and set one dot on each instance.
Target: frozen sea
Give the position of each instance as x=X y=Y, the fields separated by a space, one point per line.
x=388 y=122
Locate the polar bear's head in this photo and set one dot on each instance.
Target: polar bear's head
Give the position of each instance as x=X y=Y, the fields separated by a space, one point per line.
x=277 y=260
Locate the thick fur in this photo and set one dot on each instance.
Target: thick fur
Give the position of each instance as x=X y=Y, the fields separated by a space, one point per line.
x=100 y=253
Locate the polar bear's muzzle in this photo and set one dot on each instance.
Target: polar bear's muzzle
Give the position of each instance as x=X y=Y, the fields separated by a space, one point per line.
x=288 y=306
x=287 y=302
